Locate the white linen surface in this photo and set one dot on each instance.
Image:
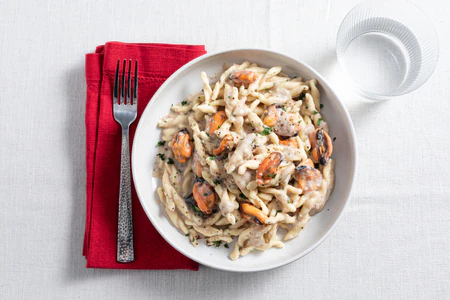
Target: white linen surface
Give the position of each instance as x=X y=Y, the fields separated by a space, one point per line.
x=392 y=243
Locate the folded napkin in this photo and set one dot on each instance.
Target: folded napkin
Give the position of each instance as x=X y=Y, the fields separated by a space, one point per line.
x=103 y=146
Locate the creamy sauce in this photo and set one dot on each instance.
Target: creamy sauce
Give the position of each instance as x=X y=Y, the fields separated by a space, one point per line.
x=243 y=152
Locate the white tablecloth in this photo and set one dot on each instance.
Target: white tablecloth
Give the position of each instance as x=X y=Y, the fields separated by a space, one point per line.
x=393 y=242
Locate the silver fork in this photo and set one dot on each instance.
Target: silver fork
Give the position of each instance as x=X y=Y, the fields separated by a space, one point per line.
x=125 y=113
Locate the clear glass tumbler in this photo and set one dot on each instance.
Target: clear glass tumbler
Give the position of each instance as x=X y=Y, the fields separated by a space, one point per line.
x=387 y=48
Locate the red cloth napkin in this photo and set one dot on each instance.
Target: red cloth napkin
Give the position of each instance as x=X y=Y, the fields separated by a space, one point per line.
x=103 y=145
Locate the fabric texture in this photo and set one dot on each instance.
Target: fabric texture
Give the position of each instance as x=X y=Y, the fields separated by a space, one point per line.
x=103 y=153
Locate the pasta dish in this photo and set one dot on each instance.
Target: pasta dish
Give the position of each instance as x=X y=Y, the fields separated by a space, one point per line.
x=246 y=159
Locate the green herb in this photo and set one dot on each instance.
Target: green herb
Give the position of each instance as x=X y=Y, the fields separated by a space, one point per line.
x=299 y=121
x=226 y=246
x=218 y=127
x=161 y=155
x=205 y=194
x=170 y=161
x=193 y=240
x=187 y=234
x=309 y=152
x=334 y=139
x=195 y=207
x=242 y=196
x=161 y=143
x=272 y=175
x=321 y=105
x=278 y=211
x=319 y=121
x=229 y=97
x=216 y=181
x=251 y=124
x=183 y=103
x=306 y=107
x=294 y=77
x=288 y=200
x=217 y=243
x=211 y=157
x=315 y=112
x=267 y=130
x=283 y=108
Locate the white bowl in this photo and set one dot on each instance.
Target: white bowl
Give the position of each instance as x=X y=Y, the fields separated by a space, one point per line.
x=187 y=81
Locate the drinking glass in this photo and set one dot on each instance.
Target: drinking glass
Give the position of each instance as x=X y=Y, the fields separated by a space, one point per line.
x=387 y=48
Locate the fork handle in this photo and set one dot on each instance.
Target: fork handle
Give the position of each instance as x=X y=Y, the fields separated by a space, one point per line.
x=125 y=248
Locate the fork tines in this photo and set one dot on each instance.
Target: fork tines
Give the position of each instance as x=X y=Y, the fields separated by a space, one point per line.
x=125 y=89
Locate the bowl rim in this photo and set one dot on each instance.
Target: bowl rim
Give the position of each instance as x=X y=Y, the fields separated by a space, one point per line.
x=329 y=230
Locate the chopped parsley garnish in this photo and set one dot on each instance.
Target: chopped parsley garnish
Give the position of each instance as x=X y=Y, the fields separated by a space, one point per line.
x=315 y=112
x=283 y=108
x=187 y=234
x=271 y=175
x=211 y=157
x=321 y=105
x=319 y=121
x=334 y=139
x=242 y=196
x=183 y=103
x=217 y=243
x=278 y=211
x=170 y=161
x=267 y=130
x=216 y=181
x=205 y=194
x=161 y=155
x=193 y=240
x=195 y=207
x=306 y=106
x=226 y=246
x=299 y=121
x=161 y=143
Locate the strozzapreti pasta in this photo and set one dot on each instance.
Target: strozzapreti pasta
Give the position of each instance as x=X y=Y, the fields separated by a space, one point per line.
x=245 y=158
